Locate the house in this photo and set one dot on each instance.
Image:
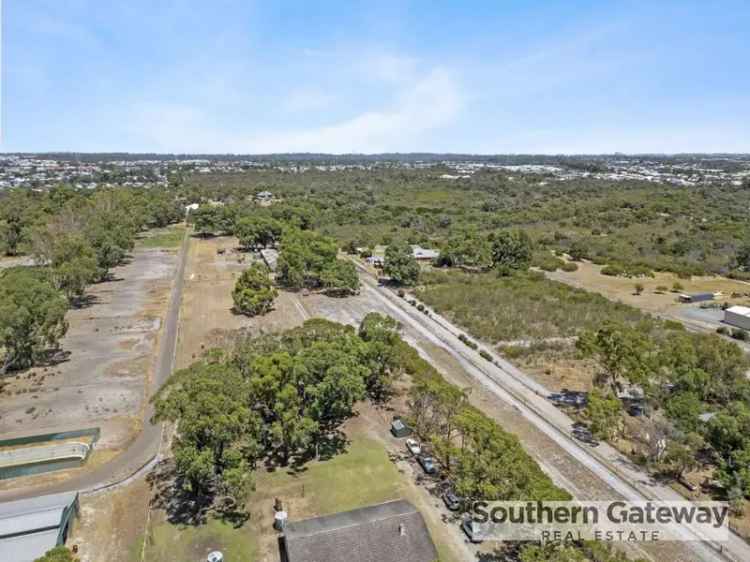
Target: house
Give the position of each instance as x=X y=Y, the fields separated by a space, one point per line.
x=738 y=316
x=420 y=253
x=390 y=532
x=697 y=297
x=31 y=527
x=264 y=196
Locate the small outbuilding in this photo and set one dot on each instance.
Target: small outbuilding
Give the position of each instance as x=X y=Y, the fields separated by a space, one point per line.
x=31 y=527
x=697 y=297
x=738 y=316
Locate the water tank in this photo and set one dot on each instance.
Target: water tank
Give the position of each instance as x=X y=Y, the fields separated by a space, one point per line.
x=279 y=520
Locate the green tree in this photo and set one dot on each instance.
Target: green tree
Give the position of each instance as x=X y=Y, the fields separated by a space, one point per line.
x=210 y=403
x=603 y=412
x=623 y=352
x=254 y=293
x=467 y=248
x=32 y=318
x=57 y=554
x=255 y=231
x=73 y=265
x=340 y=278
x=511 y=251
x=400 y=264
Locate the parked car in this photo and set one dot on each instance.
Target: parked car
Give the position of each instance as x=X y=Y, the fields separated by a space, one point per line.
x=636 y=410
x=427 y=464
x=413 y=446
x=451 y=500
x=468 y=526
x=584 y=434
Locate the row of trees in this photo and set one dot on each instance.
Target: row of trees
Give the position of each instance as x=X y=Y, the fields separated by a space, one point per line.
x=483 y=461
x=684 y=375
x=75 y=238
x=507 y=251
x=280 y=398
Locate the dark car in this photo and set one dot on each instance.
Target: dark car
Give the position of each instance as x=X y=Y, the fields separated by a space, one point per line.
x=636 y=410
x=427 y=464
x=451 y=500
x=584 y=434
x=468 y=527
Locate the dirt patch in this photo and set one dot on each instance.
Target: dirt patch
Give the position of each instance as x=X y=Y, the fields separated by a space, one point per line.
x=589 y=277
x=206 y=317
x=111 y=525
x=110 y=347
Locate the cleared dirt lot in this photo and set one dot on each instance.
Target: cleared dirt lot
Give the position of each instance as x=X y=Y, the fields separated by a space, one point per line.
x=589 y=277
x=109 y=351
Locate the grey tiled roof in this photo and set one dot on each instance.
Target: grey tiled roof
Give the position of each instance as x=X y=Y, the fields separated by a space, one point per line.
x=389 y=532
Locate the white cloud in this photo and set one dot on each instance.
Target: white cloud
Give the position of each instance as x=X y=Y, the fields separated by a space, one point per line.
x=307 y=99
x=420 y=107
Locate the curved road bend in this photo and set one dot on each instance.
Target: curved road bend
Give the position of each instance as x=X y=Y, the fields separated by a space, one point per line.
x=144 y=449
x=514 y=387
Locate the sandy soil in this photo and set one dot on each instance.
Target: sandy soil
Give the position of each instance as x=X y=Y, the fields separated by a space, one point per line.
x=622 y=289
x=103 y=381
x=206 y=317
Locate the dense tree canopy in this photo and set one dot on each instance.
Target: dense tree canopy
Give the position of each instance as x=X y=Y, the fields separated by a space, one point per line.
x=400 y=264
x=32 y=317
x=254 y=292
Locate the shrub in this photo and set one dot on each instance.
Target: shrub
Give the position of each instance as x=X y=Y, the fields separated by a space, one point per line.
x=401 y=293
x=723 y=330
x=569 y=266
x=613 y=270
x=639 y=288
x=662 y=289
x=420 y=307
x=740 y=334
x=485 y=355
x=677 y=287
x=413 y=302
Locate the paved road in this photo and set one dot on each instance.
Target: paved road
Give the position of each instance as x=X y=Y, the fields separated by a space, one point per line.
x=144 y=450
x=516 y=388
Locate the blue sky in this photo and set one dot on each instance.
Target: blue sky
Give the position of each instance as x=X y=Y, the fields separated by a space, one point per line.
x=491 y=76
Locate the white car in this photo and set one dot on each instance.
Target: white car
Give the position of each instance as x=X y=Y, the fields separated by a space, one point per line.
x=413 y=446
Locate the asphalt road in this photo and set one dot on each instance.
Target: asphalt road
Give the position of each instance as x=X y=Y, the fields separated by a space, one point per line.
x=144 y=451
x=516 y=388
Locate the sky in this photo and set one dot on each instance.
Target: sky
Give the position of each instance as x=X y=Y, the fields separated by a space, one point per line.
x=480 y=76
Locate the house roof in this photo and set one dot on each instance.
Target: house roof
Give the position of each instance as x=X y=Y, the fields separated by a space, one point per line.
x=388 y=532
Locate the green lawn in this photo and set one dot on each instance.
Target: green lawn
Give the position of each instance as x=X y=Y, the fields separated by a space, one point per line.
x=363 y=475
x=163 y=238
x=184 y=543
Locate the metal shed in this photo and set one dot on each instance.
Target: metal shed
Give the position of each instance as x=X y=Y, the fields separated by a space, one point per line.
x=31 y=527
x=697 y=297
x=738 y=316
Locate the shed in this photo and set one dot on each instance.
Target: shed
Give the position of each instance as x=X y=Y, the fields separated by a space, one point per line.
x=420 y=253
x=31 y=527
x=400 y=429
x=738 y=316
x=390 y=532
x=697 y=297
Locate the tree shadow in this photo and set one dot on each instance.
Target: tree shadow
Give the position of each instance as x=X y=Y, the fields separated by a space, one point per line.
x=84 y=301
x=170 y=494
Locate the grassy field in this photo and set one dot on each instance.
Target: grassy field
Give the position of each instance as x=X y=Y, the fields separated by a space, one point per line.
x=362 y=475
x=163 y=238
x=529 y=307
x=182 y=543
